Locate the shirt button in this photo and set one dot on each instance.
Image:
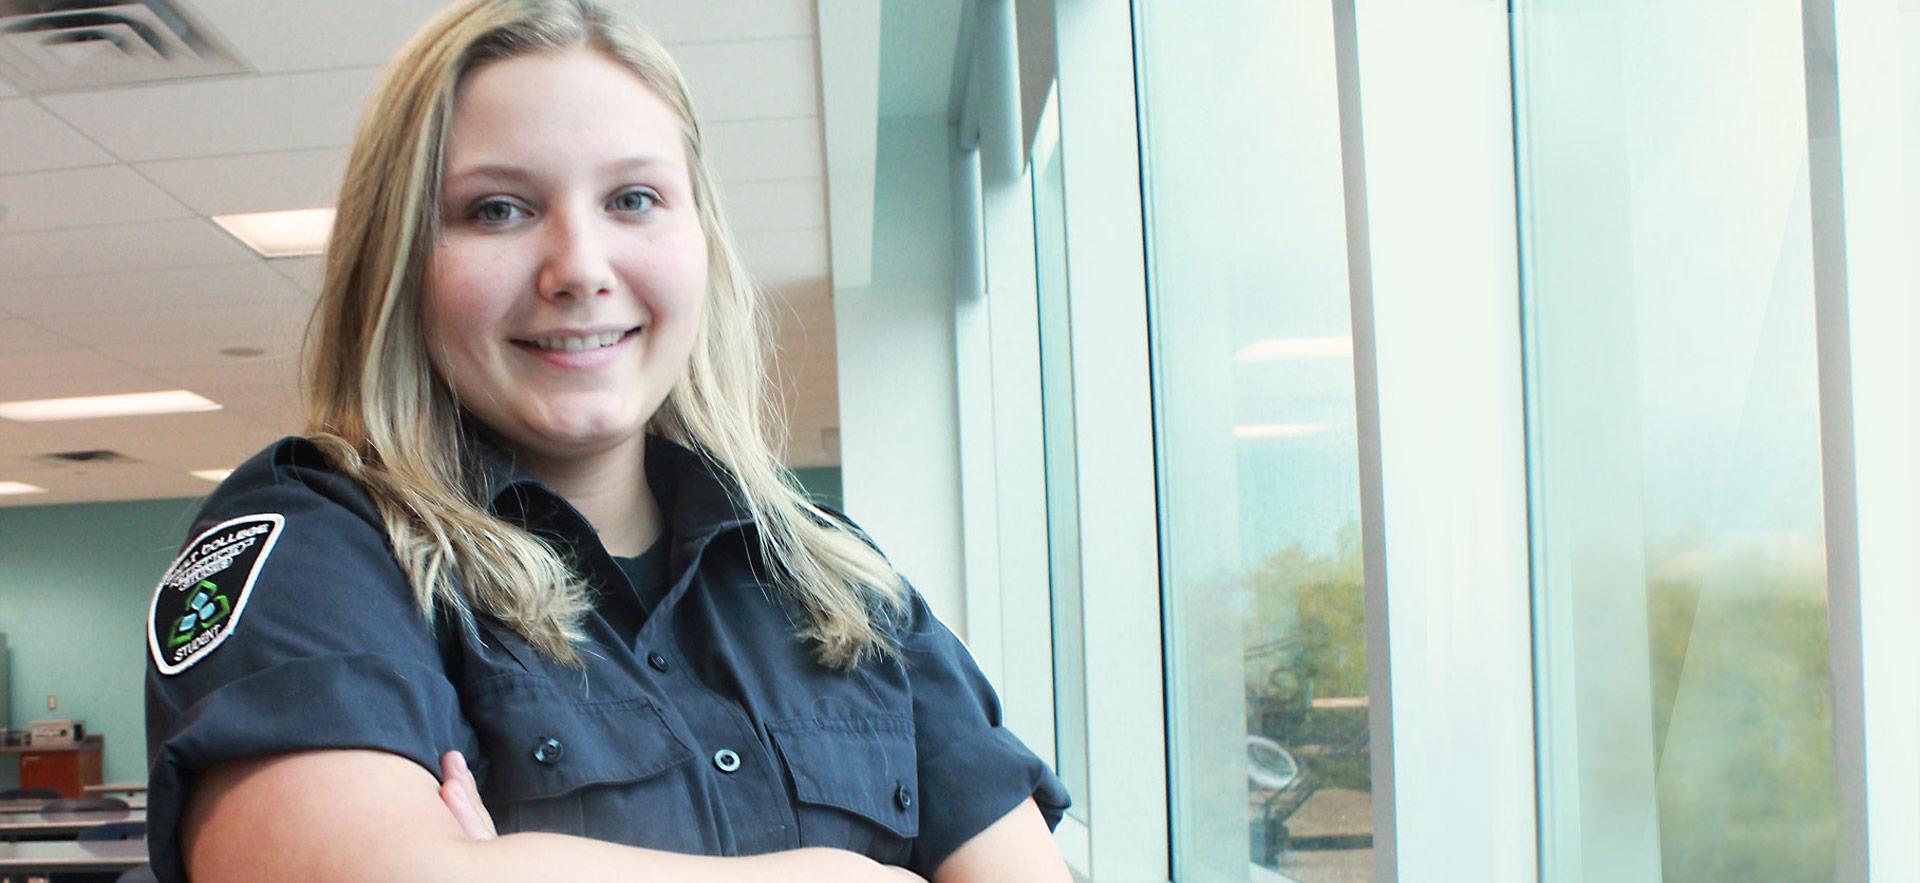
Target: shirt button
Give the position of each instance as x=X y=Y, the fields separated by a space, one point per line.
x=725 y=760
x=903 y=796
x=549 y=751
x=658 y=661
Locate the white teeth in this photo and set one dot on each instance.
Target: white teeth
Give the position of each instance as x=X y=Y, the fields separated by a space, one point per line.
x=577 y=344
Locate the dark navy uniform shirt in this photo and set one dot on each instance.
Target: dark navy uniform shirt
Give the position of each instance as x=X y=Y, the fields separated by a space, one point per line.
x=699 y=722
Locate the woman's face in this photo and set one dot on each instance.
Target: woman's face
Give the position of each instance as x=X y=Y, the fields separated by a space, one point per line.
x=565 y=292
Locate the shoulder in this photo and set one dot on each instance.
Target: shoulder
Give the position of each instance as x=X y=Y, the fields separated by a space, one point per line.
x=292 y=470
x=283 y=539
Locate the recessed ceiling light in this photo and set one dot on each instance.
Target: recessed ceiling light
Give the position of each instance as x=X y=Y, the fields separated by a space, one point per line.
x=9 y=488
x=298 y=233
x=214 y=475
x=243 y=352
x=173 y=401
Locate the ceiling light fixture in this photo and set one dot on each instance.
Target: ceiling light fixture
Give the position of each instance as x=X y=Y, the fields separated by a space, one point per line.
x=214 y=475
x=292 y=234
x=173 y=401
x=9 y=488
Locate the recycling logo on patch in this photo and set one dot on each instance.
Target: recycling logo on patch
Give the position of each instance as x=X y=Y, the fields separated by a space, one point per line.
x=199 y=601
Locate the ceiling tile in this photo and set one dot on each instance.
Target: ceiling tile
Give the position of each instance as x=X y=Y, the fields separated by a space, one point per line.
x=207 y=328
x=154 y=436
x=37 y=140
x=257 y=182
x=677 y=21
x=61 y=386
x=205 y=352
x=307 y=273
x=779 y=257
x=71 y=363
x=22 y=336
x=120 y=248
x=120 y=292
x=792 y=204
x=18 y=441
x=765 y=150
x=50 y=200
x=754 y=79
x=239 y=384
x=284 y=36
x=221 y=117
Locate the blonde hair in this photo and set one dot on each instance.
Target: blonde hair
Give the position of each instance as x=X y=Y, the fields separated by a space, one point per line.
x=383 y=416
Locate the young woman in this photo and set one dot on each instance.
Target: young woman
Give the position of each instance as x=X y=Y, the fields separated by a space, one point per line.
x=534 y=564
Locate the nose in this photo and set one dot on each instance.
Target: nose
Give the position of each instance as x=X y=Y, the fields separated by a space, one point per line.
x=576 y=263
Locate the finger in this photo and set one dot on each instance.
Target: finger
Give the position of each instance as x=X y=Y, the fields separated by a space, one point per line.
x=473 y=796
x=462 y=797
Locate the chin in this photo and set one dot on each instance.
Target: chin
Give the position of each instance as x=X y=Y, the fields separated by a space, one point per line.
x=582 y=435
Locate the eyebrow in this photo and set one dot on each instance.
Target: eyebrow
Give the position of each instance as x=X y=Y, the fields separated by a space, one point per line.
x=519 y=174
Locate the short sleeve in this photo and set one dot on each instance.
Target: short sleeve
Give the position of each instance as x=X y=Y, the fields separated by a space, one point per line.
x=972 y=769
x=286 y=625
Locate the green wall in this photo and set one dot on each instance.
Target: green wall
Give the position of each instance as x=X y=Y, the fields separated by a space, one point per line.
x=75 y=581
x=823 y=484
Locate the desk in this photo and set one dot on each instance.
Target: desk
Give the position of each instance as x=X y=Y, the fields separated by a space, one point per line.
x=33 y=805
x=23 y=825
x=64 y=768
x=50 y=856
x=117 y=788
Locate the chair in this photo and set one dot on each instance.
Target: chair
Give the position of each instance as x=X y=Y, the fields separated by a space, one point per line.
x=114 y=831
x=29 y=794
x=85 y=804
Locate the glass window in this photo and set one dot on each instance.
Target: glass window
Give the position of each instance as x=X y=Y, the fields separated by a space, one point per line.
x=1684 y=700
x=1258 y=458
x=1063 y=474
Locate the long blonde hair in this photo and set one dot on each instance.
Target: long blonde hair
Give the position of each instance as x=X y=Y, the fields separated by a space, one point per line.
x=376 y=406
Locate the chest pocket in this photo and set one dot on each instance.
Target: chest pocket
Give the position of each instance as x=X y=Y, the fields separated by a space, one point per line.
x=854 y=783
x=610 y=770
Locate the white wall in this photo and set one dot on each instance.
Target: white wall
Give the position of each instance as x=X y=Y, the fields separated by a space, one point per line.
x=900 y=459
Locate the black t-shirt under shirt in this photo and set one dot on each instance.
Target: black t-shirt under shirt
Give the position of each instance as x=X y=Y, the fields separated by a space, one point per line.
x=647 y=575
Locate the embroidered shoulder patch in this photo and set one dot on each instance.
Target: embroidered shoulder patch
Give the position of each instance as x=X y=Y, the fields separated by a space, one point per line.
x=199 y=601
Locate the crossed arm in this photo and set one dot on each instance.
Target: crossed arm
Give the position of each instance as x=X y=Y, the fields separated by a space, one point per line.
x=287 y=817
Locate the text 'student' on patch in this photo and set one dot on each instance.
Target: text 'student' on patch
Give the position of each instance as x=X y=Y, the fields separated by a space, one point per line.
x=199 y=601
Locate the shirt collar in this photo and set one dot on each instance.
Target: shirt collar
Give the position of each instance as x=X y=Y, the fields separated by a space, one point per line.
x=694 y=494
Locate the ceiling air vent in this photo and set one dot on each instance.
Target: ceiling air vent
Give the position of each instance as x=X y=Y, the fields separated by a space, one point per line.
x=97 y=456
x=56 y=45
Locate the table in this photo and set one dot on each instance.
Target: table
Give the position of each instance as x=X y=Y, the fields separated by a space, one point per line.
x=34 y=804
x=49 y=856
x=22 y=825
x=117 y=788
x=64 y=768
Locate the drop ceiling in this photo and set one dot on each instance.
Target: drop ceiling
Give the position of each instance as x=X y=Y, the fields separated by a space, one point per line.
x=113 y=280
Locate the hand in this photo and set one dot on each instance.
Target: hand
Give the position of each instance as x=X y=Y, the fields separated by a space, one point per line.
x=461 y=794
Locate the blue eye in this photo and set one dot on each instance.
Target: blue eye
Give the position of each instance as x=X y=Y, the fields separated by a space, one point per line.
x=635 y=200
x=495 y=211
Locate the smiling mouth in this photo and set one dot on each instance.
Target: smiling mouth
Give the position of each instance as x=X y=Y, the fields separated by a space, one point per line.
x=575 y=344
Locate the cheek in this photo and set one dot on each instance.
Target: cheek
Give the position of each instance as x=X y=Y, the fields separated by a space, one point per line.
x=453 y=310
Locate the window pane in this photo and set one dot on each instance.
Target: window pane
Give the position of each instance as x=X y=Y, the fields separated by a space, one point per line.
x=1063 y=498
x=1259 y=464
x=1678 y=527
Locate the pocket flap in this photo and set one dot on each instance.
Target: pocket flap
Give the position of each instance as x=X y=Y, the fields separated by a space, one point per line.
x=540 y=743
x=863 y=766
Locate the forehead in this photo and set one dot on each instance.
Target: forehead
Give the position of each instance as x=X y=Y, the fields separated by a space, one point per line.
x=551 y=108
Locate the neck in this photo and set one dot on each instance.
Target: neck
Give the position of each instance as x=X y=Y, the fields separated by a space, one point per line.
x=611 y=490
